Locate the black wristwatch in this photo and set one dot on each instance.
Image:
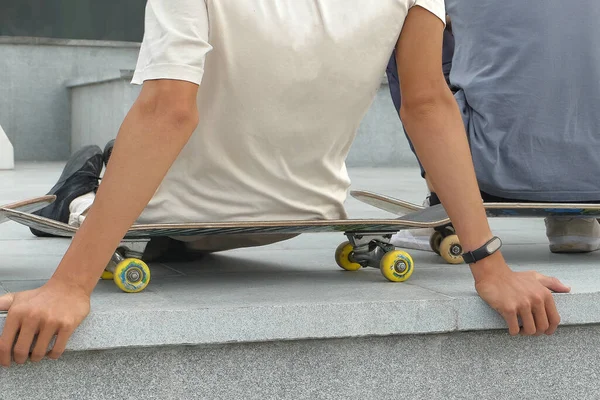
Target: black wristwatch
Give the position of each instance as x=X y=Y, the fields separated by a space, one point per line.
x=492 y=246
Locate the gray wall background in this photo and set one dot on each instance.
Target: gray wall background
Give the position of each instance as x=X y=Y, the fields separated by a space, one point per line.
x=34 y=99
x=121 y=20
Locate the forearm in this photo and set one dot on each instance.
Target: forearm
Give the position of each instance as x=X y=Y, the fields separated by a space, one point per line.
x=146 y=146
x=438 y=135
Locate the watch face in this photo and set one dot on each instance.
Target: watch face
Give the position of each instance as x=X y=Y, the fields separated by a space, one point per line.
x=493 y=246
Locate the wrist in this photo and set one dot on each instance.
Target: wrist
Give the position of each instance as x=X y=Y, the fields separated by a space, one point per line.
x=489 y=266
x=66 y=284
x=75 y=273
x=487 y=249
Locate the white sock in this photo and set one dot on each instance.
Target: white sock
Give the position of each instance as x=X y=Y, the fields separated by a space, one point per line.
x=79 y=208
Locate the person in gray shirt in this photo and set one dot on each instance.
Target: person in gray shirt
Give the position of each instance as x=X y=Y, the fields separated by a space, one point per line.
x=527 y=80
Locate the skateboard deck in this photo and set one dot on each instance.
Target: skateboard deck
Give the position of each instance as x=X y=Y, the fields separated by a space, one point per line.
x=368 y=242
x=429 y=218
x=385 y=203
x=444 y=240
x=493 y=210
x=28 y=206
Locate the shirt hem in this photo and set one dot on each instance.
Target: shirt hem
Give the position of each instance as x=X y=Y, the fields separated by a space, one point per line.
x=433 y=8
x=168 y=71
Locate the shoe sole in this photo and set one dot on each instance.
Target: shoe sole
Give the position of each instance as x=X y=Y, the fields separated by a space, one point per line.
x=574 y=244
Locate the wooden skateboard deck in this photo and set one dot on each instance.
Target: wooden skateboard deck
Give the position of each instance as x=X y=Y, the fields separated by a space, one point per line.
x=386 y=203
x=28 y=206
x=493 y=210
x=433 y=217
x=368 y=242
x=445 y=242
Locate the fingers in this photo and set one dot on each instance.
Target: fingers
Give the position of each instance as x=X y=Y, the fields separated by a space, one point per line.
x=552 y=313
x=512 y=321
x=541 y=318
x=25 y=341
x=61 y=342
x=40 y=312
x=528 y=321
x=553 y=284
x=550 y=310
x=23 y=346
x=43 y=342
x=7 y=339
x=540 y=315
x=6 y=301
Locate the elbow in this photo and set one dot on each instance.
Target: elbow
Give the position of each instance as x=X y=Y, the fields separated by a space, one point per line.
x=426 y=104
x=165 y=105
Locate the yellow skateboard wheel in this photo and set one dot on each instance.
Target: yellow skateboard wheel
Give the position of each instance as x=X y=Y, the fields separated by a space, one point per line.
x=107 y=276
x=396 y=266
x=451 y=250
x=132 y=275
x=342 y=259
x=434 y=241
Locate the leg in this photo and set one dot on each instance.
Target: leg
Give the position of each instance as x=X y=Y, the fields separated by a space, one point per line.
x=79 y=177
x=217 y=243
x=191 y=248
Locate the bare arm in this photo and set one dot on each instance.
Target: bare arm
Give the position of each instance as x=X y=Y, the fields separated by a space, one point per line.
x=432 y=119
x=152 y=135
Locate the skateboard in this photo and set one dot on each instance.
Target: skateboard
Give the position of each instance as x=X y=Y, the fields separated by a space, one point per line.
x=444 y=240
x=28 y=206
x=368 y=243
x=386 y=203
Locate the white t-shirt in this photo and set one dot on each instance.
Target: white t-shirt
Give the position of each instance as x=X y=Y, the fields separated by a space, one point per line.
x=284 y=85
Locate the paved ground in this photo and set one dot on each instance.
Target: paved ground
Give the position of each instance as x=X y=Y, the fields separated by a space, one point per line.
x=293 y=289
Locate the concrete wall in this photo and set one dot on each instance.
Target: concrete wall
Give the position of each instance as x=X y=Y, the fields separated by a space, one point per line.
x=98 y=108
x=381 y=141
x=34 y=100
x=477 y=366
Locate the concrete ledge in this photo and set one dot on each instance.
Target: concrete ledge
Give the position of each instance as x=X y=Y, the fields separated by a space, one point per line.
x=294 y=290
x=241 y=300
x=41 y=41
x=106 y=77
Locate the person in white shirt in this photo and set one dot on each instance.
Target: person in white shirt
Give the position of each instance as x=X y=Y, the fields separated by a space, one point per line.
x=247 y=112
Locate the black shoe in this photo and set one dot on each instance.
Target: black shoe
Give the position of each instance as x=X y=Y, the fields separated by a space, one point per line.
x=433 y=199
x=108 y=151
x=80 y=176
x=447 y=229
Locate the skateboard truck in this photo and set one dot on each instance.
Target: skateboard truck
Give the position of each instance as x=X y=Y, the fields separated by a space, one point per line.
x=373 y=249
x=369 y=248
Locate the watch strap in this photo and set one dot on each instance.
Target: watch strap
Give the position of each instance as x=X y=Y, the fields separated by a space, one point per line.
x=471 y=257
